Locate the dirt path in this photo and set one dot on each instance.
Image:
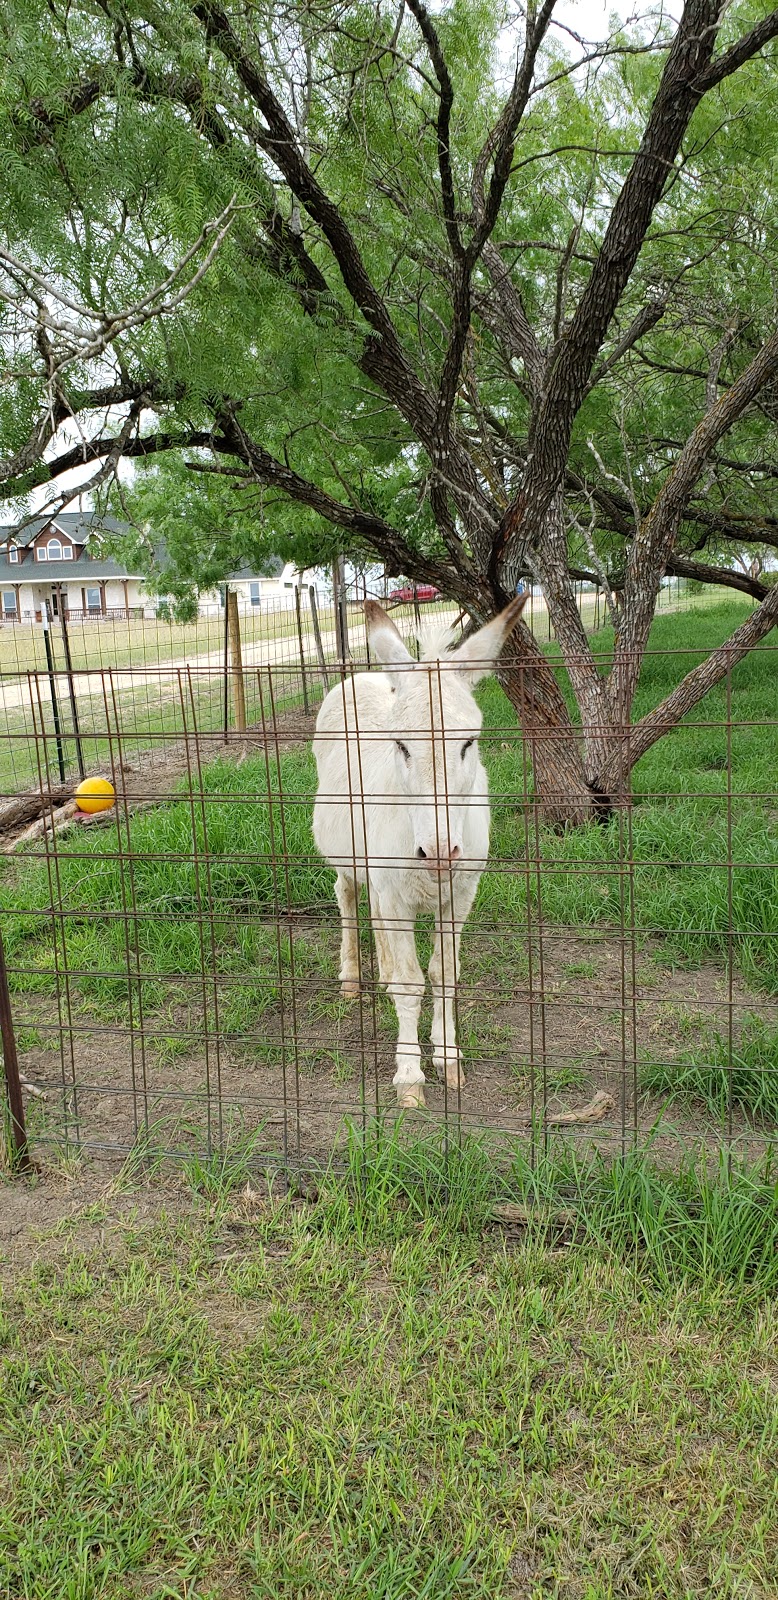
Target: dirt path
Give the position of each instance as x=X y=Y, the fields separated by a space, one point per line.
x=272 y=652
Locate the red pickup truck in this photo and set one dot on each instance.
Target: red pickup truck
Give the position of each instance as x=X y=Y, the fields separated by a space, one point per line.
x=404 y=596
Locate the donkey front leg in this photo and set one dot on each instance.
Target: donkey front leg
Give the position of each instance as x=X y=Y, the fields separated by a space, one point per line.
x=444 y=975
x=406 y=987
x=346 y=895
x=383 y=946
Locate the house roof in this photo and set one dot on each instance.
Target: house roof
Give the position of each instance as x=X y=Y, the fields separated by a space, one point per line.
x=47 y=572
x=241 y=574
x=78 y=525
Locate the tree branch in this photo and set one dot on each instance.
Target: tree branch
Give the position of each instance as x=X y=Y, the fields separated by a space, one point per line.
x=654 y=540
x=680 y=90
x=379 y=534
x=446 y=101
x=745 y=48
x=689 y=692
x=498 y=148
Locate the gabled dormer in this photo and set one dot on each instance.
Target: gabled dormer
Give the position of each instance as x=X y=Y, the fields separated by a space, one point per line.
x=53 y=543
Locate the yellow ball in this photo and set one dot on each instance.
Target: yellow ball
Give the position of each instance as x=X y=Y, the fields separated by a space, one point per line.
x=95 y=794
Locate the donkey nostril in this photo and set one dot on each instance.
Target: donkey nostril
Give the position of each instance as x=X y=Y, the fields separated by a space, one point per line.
x=455 y=853
x=422 y=854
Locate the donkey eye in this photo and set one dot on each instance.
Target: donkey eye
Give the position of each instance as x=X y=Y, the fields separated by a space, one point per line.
x=466 y=747
x=403 y=749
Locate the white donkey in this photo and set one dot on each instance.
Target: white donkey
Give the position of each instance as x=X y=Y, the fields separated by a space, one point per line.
x=403 y=805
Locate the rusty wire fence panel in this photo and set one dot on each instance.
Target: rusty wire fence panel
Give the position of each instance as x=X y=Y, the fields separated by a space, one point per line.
x=39 y=694
x=174 y=965
x=146 y=654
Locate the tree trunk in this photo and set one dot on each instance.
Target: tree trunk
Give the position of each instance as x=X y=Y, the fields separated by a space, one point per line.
x=582 y=774
x=554 y=745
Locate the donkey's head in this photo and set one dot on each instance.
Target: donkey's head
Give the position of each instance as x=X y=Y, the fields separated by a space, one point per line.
x=434 y=724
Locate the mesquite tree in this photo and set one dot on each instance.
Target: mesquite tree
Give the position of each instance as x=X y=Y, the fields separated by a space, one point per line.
x=494 y=302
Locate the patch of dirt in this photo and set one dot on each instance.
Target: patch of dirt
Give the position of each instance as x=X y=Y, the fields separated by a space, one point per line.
x=56 y=1213
x=152 y=774
x=296 y=1073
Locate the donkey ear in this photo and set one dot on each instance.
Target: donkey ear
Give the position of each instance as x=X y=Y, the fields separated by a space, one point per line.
x=383 y=638
x=479 y=653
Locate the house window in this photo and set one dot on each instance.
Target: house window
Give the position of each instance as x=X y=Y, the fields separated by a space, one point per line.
x=9 y=602
x=13 y=553
x=93 y=600
x=41 y=553
x=54 y=548
x=254 y=592
x=67 y=552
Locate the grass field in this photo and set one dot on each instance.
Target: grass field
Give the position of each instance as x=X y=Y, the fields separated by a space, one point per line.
x=135 y=641
x=389 y=1390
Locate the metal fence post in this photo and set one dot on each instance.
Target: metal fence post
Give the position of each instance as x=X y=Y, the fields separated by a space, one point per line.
x=317 y=637
x=298 y=613
x=71 y=689
x=20 y=1153
x=238 y=686
x=53 y=689
x=226 y=662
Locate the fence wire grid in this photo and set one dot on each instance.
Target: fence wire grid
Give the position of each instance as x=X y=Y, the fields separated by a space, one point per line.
x=174 y=965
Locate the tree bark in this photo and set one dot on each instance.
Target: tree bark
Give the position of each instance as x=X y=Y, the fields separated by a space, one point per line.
x=555 y=746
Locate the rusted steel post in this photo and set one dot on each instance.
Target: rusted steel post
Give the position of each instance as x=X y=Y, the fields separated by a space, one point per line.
x=226 y=663
x=21 y=1155
x=417 y=620
x=53 y=691
x=71 y=688
x=342 y=611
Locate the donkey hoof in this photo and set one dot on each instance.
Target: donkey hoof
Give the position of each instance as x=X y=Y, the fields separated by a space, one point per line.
x=349 y=988
x=450 y=1069
x=412 y=1097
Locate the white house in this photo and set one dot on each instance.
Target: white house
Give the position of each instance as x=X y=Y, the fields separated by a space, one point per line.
x=61 y=561
x=266 y=592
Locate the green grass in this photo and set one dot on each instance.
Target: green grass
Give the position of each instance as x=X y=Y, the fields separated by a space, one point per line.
x=706 y=1223
x=711 y=1075
x=679 y=832
x=380 y=1391
x=140 y=642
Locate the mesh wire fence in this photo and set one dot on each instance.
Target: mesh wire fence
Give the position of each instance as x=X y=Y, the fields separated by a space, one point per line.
x=177 y=964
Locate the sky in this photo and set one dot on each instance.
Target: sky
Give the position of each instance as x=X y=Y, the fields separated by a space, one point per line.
x=589 y=18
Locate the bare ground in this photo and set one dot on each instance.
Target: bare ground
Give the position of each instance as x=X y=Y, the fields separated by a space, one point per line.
x=293 y=1074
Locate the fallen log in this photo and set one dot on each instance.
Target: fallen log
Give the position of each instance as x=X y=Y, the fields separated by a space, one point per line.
x=54 y=821
x=31 y=805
